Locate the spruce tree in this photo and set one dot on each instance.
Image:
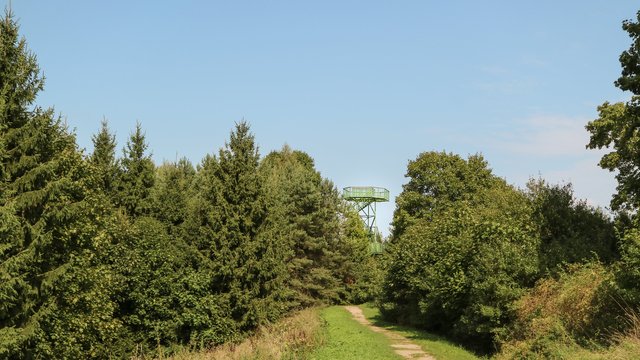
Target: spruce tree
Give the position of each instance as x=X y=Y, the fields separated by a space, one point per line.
x=104 y=157
x=227 y=225
x=171 y=191
x=55 y=297
x=305 y=214
x=137 y=175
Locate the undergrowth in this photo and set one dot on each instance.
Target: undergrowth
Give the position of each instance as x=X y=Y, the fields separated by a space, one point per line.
x=574 y=316
x=291 y=338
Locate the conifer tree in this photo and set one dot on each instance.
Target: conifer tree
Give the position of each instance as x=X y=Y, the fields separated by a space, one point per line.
x=48 y=225
x=251 y=260
x=227 y=223
x=305 y=216
x=104 y=157
x=137 y=175
x=171 y=191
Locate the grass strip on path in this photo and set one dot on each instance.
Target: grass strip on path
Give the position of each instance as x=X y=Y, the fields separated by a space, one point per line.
x=345 y=339
x=435 y=345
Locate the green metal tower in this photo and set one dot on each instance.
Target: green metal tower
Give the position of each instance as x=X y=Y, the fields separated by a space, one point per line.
x=365 y=199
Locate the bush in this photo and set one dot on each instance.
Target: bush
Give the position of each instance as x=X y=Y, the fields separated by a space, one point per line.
x=560 y=315
x=459 y=271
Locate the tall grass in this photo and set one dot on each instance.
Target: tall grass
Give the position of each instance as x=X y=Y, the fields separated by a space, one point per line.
x=573 y=317
x=291 y=338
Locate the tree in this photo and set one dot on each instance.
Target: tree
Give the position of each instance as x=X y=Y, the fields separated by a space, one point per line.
x=436 y=180
x=137 y=175
x=617 y=127
x=466 y=253
x=171 y=191
x=571 y=231
x=226 y=224
x=104 y=157
x=49 y=222
x=164 y=299
x=305 y=215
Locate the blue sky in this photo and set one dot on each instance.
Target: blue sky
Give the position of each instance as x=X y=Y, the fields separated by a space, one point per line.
x=362 y=86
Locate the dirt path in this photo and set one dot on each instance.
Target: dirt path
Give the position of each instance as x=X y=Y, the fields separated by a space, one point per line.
x=402 y=346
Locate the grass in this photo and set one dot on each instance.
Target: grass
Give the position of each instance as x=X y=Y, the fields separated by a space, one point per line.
x=345 y=339
x=435 y=345
x=291 y=338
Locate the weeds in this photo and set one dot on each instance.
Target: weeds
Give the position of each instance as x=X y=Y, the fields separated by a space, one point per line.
x=290 y=338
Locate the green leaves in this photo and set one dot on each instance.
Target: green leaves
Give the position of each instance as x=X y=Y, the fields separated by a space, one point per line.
x=437 y=180
x=466 y=252
x=630 y=59
x=617 y=129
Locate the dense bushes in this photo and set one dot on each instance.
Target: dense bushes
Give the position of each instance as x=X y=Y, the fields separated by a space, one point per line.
x=559 y=315
x=462 y=255
x=457 y=268
x=570 y=230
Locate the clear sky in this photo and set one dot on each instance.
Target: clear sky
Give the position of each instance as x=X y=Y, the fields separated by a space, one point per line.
x=362 y=86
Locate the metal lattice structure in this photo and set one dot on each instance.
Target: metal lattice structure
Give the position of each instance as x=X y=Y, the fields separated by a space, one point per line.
x=365 y=199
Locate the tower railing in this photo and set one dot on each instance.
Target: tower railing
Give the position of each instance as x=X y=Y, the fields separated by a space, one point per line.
x=365 y=192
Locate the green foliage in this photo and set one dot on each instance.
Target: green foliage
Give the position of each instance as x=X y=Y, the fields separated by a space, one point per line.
x=137 y=175
x=55 y=296
x=20 y=79
x=327 y=260
x=366 y=272
x=170 y=195
x=226 y=223
x=436 y=180
x=628 y=269
x=459 y=266
x=164 y=296
x=77 y=320
x=570 y=231
x=617 y=127
x=104 y=158
x=630 y=59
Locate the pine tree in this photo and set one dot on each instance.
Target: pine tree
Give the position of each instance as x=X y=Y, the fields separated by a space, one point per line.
x=137 y=175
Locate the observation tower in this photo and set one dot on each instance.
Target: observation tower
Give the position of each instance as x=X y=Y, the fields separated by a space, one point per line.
x=365 y=199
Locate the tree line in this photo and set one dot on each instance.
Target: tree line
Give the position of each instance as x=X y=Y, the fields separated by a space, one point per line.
x=522 y=273
x=107 y=256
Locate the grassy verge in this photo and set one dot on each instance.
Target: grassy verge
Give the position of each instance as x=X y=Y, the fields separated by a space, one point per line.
x=345 y=339
x=291 y=338
x=435 y=345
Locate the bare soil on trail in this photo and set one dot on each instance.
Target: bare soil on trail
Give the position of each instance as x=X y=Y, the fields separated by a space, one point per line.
x=402 y=346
